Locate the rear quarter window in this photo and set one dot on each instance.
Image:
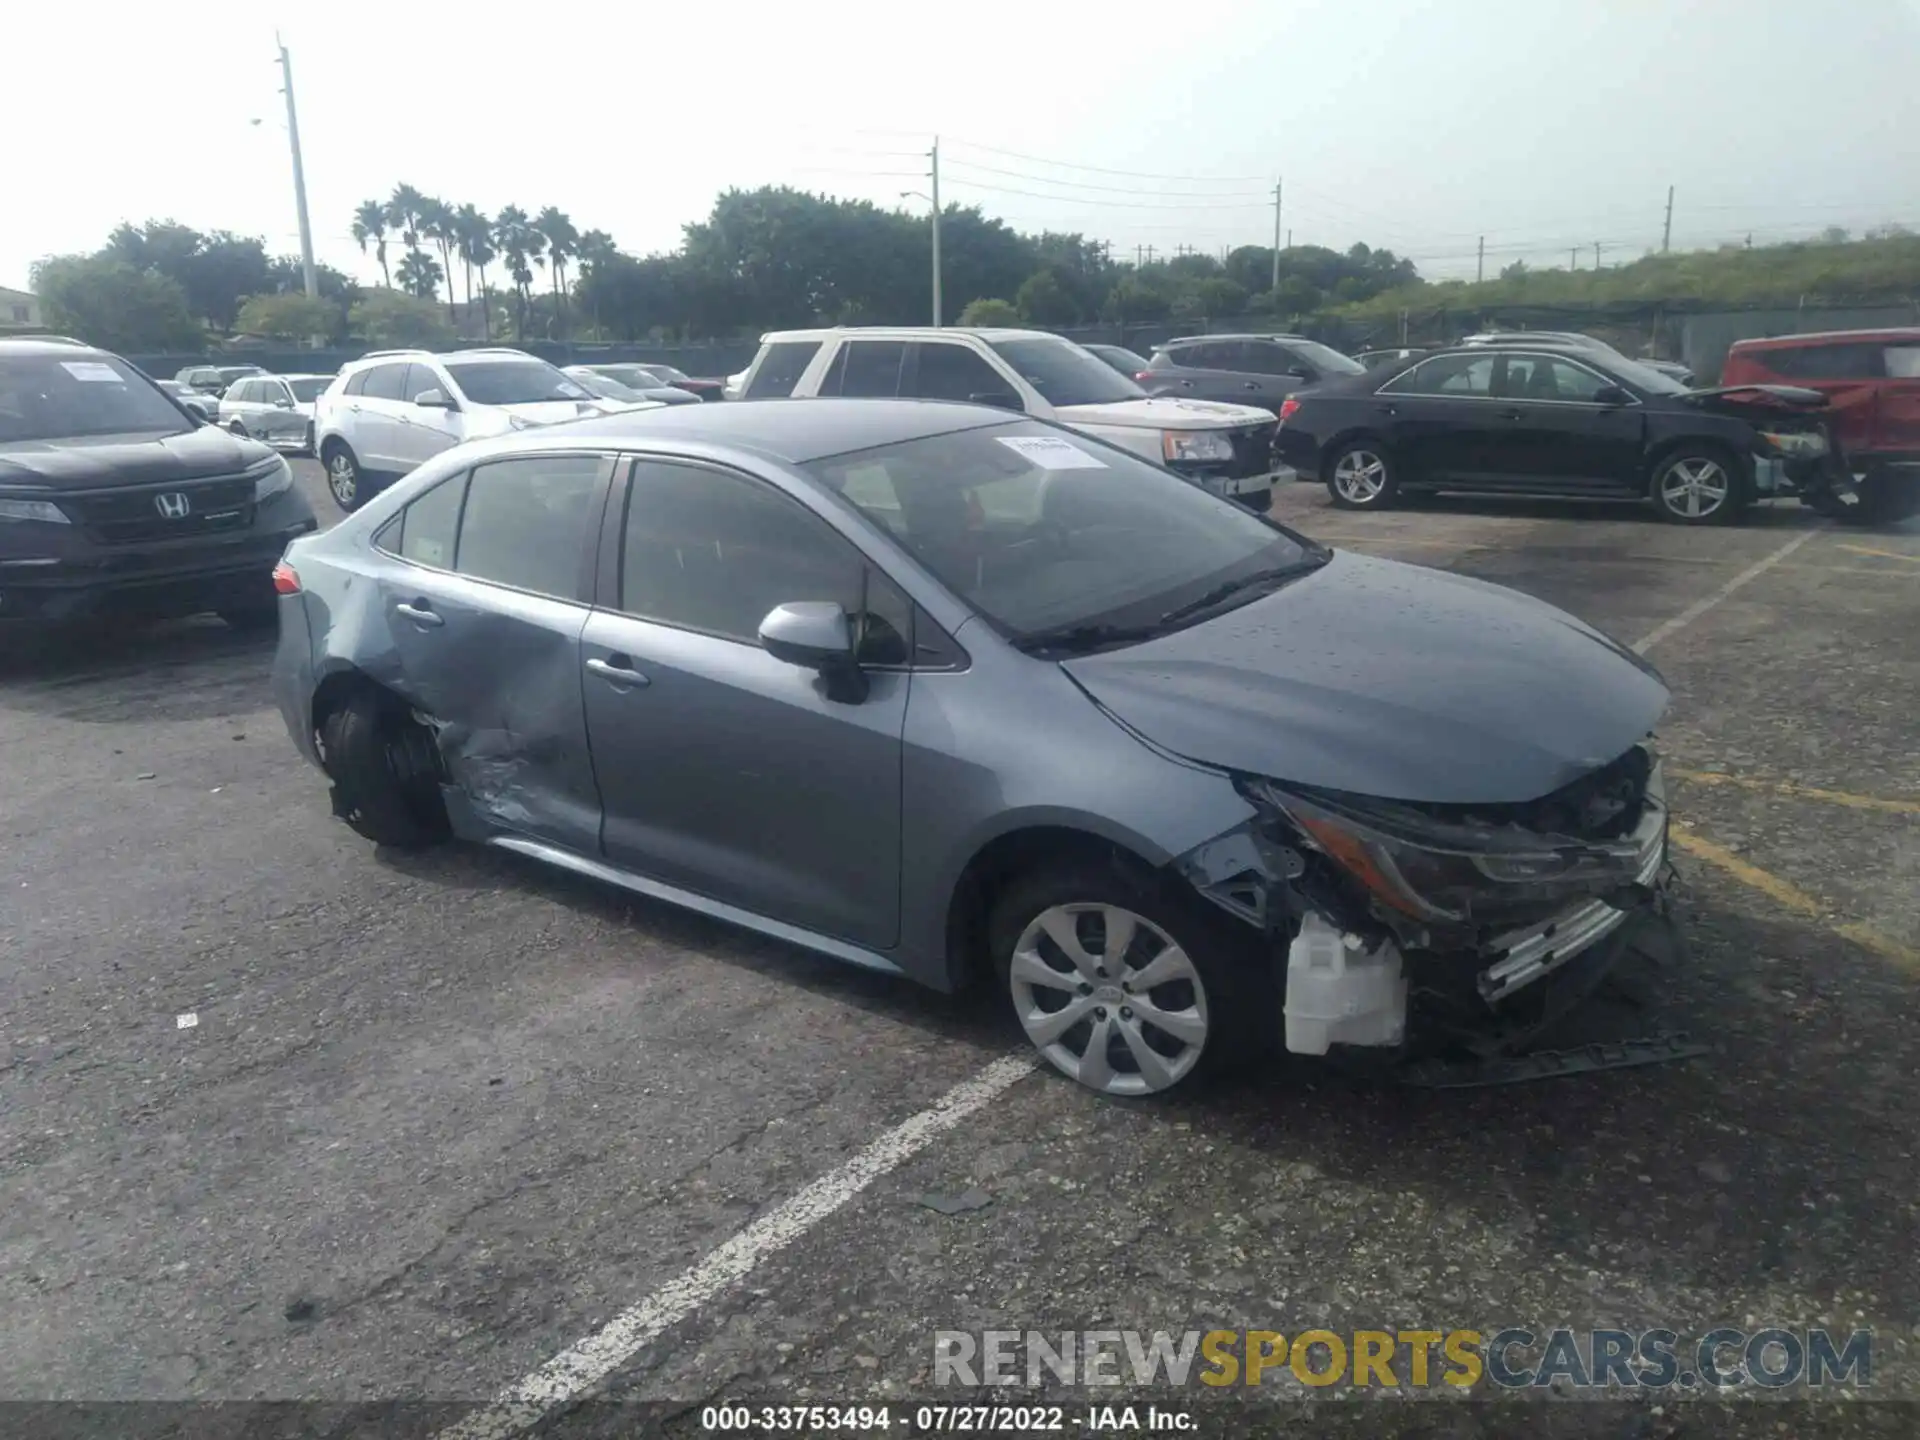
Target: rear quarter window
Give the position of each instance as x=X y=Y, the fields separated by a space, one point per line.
x=780 y=369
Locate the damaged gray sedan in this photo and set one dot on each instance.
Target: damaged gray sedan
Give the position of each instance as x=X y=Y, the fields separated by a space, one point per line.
x=962 y=696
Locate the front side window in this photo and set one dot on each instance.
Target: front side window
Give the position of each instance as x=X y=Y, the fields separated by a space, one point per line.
x=1543 y=377
x=44 y=397
x=1445 y=375
x=1039 y=530
x=1903 y=362
x=509 y=382
x=525 y=522
x=1064 y=374
x=1322 y=358
x=420 y=379
x=780 y=369
x=709 y=551
x=954 y=372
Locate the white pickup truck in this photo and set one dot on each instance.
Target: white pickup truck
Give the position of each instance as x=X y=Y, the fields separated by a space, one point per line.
x=1226 y=448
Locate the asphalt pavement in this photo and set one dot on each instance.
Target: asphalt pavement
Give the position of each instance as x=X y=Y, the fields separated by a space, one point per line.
x=282 y=1117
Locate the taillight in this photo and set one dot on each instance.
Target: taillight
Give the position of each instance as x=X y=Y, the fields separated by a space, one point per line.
x=1287 y=407
x=285 y=581
x=1142 y=376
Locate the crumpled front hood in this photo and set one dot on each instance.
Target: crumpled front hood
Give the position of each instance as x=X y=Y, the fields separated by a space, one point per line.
x=137 y=459
x=1161 y=412
x=1397 y=681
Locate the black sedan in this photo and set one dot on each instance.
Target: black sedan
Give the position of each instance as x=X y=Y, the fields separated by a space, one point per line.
x=1488 y=418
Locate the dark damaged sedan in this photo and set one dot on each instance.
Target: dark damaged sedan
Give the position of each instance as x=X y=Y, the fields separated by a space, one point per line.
x=958 y=696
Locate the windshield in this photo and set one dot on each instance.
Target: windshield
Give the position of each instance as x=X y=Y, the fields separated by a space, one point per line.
x=513 y=382
x=47 y=398
x=606 y=388
x=1064 y=374
x=1326 y=360
x=308 y=389
x=1646 y=378
x=1039 y=529
x=666 y=373
x=230 y=373
x=1125 y=361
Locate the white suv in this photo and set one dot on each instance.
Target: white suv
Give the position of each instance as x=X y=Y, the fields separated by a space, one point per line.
x=390 y=410
x=1228 y=449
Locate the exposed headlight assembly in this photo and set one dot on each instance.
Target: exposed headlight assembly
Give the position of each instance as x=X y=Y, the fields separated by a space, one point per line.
x=1195 y=445
x=1446 y=872
x=1796 y=442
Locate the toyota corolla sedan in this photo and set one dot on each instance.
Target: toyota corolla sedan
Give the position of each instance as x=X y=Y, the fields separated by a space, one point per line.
x=967 y=697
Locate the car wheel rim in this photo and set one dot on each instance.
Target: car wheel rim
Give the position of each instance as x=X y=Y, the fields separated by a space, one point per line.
x=1109 y=998
x=1694 y=488
x=342 y=479
x=1360 y=476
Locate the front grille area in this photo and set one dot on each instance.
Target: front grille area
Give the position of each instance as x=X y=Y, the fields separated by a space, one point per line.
x=135 y=514
x=1253 y=450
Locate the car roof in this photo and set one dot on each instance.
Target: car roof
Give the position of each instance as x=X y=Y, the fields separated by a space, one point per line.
x=1231 y=335
x=45 y=345
x=794 y=431
x=1827 y=337
x=909 y=332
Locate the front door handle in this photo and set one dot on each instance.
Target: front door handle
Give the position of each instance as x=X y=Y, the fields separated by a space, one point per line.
x=420 y=613
x=1186 y=384
x=1509 y=414
x=621 y=677
x=1251 y=385
x=1387 y=409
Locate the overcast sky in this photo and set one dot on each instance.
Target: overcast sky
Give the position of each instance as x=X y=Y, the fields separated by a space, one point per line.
x=1542 y=124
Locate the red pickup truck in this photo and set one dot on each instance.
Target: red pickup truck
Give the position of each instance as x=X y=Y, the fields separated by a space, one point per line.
x=1871 y=379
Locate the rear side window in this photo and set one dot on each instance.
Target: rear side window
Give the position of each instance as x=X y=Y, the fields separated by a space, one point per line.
x=356 y=383
x=1445 y=375
x=1825 y=362
x=954 y=372
x=1903 y=362
x=525 y=522
x=243 y=390
x=386 y=382
x=869 y=368
x=426 y=529
x=780 y=369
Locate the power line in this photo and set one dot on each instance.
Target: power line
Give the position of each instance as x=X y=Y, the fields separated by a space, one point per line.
x=1111 y=204
x=1103 y=170
x=1088 y=185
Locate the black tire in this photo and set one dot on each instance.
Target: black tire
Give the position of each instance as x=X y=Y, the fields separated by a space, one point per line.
x=385 y=770
x=346 y=482
x=1885 y=495
x=1236 y=991
x=1361 y=474
x=252 y=618
x=1698 y=485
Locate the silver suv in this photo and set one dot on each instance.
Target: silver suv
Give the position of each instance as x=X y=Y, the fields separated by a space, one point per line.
x=389 y=411
x=275 y=408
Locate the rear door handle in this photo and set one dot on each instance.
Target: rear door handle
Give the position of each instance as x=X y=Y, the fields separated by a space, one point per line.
x=1509 y=414
x=1186 y=384
x=1251 y=385
x=420 y=613
x=621 y=676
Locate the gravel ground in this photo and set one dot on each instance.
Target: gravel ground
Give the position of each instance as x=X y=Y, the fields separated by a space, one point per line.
x=436 y=1119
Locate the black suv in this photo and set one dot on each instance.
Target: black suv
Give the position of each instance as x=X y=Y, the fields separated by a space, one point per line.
x=1242 y=369
x=113 y=497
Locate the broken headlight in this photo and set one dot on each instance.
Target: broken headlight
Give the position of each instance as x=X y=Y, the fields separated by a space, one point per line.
x=1463 y=868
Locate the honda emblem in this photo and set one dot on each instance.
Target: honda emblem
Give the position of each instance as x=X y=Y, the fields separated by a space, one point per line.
x=173 y=505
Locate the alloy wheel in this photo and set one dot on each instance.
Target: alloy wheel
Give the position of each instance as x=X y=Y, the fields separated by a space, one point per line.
x=343 y=479
x=1694 y=488
x=1109 y=998
x=1359 y=476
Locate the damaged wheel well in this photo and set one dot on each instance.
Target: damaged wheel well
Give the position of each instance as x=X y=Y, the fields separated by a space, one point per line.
x=995 y=866
x=341 y=686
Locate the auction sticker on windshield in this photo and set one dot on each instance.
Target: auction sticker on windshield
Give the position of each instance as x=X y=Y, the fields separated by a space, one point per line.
x=91 y=370
x=1050 y=453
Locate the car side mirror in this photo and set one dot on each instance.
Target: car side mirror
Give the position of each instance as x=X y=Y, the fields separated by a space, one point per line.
x=1611 y=395
x=281 y=402
x=816 y=635
x=1001 y=399
x=433 y=400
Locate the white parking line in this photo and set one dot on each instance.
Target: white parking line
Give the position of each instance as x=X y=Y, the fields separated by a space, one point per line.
x=570 y=1373
x=1700 y=607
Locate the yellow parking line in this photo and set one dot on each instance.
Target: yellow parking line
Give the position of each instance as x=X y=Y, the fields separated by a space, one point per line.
x=1800 y=792
x=1883 y=554
x=1791 y=897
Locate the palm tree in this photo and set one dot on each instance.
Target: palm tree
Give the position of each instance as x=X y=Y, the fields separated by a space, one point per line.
x=596 y=248
x=519 y=245
x=370 y=223
x=563 y=243
x=473 y=235
x=436 y=223
x=403 y=213
x=419 y=275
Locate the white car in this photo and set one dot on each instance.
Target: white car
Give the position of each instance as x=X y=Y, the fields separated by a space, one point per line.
x=275 y=408
x=1226 y=448
x=735 y=384
x=394 y=409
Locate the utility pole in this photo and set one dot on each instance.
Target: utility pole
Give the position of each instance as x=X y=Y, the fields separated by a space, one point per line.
x=1666 y=233
x=1596 y=254
x=1276 y=236
x=1149 y=254
x=1139 y=254
x=300 y=180
x=1289 y=239
x=936 y=232
x=1480 y=265
x=1573 y=258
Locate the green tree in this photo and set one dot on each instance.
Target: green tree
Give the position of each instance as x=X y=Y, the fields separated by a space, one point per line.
x=1137 y=299
x=288 y=316
x=216 y=270
x=107 y=302
x=403 y=214
x=562 y=243
x=519 y=245
x=473 y=234
x=419 y=275
x=987 y=313
x=436 y=223
x=1045 y=301
x=1220 y=297
x=370 y=226
x=391 y=317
